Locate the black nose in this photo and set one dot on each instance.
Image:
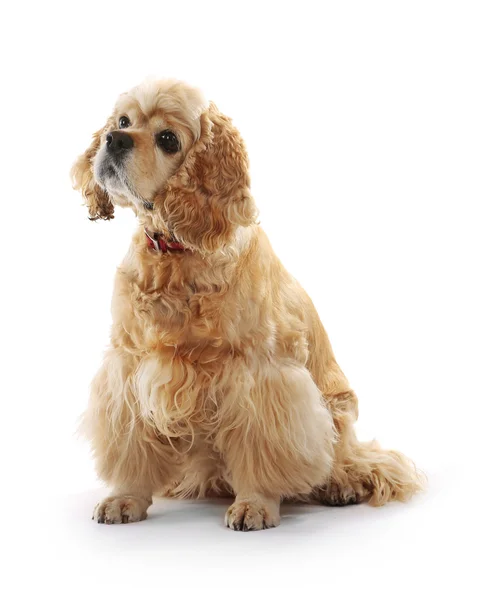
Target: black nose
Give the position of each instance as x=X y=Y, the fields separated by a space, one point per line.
x=118 y=142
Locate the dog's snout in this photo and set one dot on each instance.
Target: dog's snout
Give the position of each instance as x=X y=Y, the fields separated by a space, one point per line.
x=118 y=142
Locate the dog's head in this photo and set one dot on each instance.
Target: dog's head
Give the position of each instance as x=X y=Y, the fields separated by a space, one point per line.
x=176 y=160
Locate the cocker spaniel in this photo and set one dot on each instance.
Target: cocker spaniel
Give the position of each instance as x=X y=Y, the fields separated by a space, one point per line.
x=220 y=378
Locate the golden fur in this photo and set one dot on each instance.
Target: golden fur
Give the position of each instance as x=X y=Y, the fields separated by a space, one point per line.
x=220 y=378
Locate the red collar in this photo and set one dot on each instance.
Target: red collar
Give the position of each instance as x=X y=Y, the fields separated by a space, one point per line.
x=157 y=241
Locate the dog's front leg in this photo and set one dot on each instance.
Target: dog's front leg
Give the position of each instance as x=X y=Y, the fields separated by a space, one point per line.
x=131 y=456
x=276 y=439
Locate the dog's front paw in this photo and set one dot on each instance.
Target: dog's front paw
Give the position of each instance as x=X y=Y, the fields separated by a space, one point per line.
x=121 y=509
x=252 y=514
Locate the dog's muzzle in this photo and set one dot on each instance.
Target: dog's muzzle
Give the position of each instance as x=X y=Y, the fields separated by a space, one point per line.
x=109 y=167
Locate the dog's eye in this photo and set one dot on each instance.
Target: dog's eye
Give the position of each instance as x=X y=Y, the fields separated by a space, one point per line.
x=168 y=141
x=124 y=122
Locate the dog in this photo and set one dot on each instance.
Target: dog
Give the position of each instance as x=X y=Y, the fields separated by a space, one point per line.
x=220 y=378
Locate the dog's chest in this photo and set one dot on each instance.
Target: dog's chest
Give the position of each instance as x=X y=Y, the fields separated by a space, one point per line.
x=174 y=394
x=148 y=317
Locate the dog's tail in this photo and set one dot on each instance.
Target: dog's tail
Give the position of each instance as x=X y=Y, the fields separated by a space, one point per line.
x=384 y=475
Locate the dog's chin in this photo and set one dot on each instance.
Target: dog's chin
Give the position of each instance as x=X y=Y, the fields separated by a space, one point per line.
x=115 y=189
x=112 y=181
x=107 y=174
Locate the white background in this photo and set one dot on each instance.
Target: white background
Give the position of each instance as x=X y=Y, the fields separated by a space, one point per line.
x=375 y=133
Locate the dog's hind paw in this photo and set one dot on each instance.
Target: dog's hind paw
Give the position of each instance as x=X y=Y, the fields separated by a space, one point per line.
x=340 y=495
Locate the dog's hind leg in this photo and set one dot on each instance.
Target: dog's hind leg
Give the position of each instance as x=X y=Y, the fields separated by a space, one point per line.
x=362 y=471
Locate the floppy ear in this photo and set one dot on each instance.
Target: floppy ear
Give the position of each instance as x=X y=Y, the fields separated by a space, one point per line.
x=209 y=196
x=97 y=200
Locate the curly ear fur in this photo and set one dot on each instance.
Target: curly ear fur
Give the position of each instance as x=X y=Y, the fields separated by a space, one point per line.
x=97 y=200
x=209 y=196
